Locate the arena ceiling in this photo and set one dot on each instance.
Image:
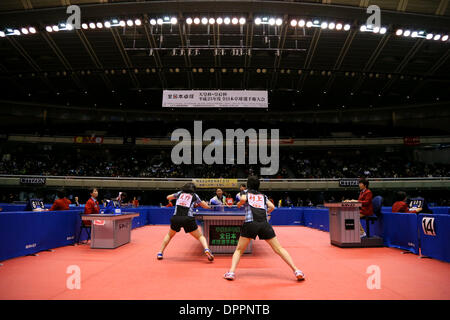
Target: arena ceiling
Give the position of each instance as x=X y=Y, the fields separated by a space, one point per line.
x=303 y=67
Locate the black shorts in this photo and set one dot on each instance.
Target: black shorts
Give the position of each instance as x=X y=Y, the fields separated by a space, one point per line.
x=263 y=230
x=188 y=223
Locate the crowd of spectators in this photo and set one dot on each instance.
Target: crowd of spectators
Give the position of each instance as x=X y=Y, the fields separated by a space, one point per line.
x=157 y=163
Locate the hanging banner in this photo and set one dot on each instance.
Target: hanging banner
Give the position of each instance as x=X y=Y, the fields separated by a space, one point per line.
x=87 y=139
x=215 y=183
x=215 y=99
x=411 y=141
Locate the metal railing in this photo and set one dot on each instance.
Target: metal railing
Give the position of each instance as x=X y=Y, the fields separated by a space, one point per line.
x=239 y=179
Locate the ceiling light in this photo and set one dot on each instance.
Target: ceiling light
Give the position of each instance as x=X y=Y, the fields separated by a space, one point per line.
x=130 y=23
x=301 y=23
x=159 y=21
x=212 y=20
x=331 y=25
x=227 y=20
x=153 y=21
x=407 y=33
x=445 y=38
x=279 y=22
x=219 y=20
x=324 y=25
x=204 y=20
x=399 y=32
x=272 y=21
x=196 y=20
x=137 y=22
x=173 y=20
x=293 y=23
x=234 y=21
x=339 y=26
x=107 y=24
x=346 y=27
x=242 y=21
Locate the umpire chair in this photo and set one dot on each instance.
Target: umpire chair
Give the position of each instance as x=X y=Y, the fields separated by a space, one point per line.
x=83 y=226
x=373 y=241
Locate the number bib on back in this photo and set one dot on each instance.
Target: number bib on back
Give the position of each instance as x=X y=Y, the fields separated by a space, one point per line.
x=184 y=200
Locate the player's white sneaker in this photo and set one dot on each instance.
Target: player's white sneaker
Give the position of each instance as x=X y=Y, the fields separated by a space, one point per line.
x=229 y=276
x=299 y=275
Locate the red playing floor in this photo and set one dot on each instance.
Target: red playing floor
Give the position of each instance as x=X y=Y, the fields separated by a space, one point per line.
x=132 y=271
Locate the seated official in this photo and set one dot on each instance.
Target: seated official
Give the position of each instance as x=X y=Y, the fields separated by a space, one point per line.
x=365 y=197
x=135 y=202
x=219 y=199
x=62 y=203
x=400 y=204
x=92 y=206
x=76 y=202
x=229 y=200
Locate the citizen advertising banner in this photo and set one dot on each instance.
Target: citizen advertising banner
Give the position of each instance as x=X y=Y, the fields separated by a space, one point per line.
x=215 y=99
x=348 y=182
x=33 y=181
x=215 y=183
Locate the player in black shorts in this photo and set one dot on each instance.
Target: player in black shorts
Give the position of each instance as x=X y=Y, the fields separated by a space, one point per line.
x=183 y=217
x=257 y=208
